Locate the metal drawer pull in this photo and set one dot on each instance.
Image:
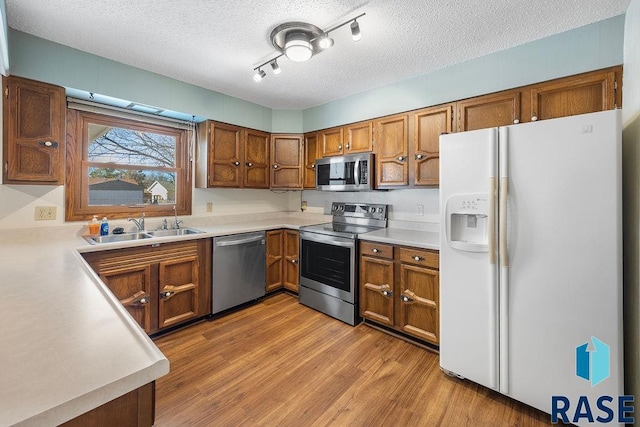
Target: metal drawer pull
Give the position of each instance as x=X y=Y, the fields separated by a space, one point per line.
x=534 y=118
x=236 y=163
x=516 y=121
x=418 y=258
x=418 y=156
x=375 y=250
x=340 y=147
x=402 y=158
x=294 y=261
x=275 y=166
x=249 y=164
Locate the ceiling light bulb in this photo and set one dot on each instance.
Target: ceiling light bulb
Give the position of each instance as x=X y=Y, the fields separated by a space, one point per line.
x=259 y=75
x=298 y=47
x=326 y=41
x=355 y=31
x=275 y=67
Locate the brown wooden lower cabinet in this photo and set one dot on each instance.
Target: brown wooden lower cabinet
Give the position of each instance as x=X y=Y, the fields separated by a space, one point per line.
x=135 y=409
x=282 y=260
x=161 y=285
x=399 y=288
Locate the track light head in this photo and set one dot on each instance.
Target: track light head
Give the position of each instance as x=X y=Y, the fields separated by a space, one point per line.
x=325 y=41
x=355 y=31
x=275 y=67
x=259 y=75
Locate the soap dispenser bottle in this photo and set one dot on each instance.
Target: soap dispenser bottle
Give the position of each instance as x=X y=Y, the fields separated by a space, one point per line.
x=104 y=227
x=94 y=226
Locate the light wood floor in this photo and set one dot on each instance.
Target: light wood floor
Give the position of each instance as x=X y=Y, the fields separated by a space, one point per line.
x=279 y=363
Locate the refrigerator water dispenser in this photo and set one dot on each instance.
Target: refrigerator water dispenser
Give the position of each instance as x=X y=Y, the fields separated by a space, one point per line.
x=468 y=222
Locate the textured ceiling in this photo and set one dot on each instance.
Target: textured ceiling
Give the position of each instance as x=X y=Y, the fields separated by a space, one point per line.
x=216 y=44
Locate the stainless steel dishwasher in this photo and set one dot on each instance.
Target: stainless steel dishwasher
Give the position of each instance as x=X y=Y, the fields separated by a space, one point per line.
x=239 y=263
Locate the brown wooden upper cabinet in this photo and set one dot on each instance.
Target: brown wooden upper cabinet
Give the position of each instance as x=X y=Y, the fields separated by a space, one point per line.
x=311 y=153
x=580 y=94
x=353 y=138
x=231 y=156
x=391 y=150
x=286 y=161
x=493 y=110
x=424 y=159
x=34 y=132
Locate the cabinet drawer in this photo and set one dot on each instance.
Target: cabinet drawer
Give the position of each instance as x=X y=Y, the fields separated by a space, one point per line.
x=420 y=257
x=379 y=250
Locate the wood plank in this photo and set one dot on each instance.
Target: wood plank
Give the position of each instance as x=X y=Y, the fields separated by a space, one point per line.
x=282 y=363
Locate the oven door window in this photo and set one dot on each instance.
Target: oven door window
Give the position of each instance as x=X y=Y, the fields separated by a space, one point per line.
x=327 y=264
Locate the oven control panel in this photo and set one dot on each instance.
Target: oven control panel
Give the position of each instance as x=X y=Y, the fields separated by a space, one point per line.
x=359 y=210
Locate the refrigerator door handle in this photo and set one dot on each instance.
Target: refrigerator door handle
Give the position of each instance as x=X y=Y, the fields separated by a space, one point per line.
x=504 y=261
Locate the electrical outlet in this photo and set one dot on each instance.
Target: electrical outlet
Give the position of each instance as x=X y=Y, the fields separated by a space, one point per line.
x=420 y=210
x=45 y=213
x=209 y=206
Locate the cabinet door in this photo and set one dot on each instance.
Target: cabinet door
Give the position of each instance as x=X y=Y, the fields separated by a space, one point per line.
x=256 y=159
x=391 y=150
x=291 y=260
x=34 y=132
x=332 y=142
x=376 y=290
x=419 y=302
x=429 y=124
x=132 y=286
x=481 y=112
x=275 y=260
x=286 y=159
x=358 y=137
x=225 y=156
x=178 y=286
x=310 y=156
x=586 y=93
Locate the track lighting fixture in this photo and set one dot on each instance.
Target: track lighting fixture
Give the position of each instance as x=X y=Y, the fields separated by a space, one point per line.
x=355 y=31
x=275 y=67
x=259 y=75
x=299 y=41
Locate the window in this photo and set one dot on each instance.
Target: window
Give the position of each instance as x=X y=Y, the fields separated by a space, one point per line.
x=119 y=167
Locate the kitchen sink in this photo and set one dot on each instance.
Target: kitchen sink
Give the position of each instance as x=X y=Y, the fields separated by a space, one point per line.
x=125 y=237
x=174 y=232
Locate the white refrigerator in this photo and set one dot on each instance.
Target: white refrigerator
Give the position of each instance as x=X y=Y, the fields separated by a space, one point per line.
x=531 y=259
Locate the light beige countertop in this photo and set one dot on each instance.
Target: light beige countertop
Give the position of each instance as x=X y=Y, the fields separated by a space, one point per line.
x=404 y=236
x=66 y=343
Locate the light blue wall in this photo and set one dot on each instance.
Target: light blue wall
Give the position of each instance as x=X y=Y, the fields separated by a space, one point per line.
x=286 y=121
x=42 y=60
x=587 y=48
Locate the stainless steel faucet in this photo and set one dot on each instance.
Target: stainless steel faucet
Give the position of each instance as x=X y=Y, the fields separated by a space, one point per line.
x=164 y=224
x=138 y=222
x=176 y=223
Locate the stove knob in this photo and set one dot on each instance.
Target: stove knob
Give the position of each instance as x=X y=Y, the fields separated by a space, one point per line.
x=372 y=209
x=341 y=207
x=335 y=207
x=380 y=210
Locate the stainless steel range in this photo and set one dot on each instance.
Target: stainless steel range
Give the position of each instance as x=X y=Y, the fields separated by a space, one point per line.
x=328 y=254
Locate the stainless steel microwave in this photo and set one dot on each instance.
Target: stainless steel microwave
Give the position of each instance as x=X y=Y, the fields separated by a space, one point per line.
x=353 y=172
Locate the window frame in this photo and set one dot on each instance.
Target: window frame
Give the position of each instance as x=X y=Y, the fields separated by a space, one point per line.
x=77 y=166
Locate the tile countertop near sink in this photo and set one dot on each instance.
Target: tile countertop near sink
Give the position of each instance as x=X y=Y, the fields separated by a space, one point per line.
x=64 y=332
x=426 y=238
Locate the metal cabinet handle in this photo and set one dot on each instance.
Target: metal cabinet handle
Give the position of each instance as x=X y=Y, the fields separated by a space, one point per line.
x=516 y=121
x=375 y=250
x=48 y=144
x=347 y=146
x=418 y=258
x=166 y=294
x=275 y=166
x=534 y=118
x=340 y=147
x=138 y=299
x=294 y=261
x=236 y=163
x=405 y=298
x=402 y=158
x=387 y=293
x=418 y=156
x=385 y=289
x=313 y=166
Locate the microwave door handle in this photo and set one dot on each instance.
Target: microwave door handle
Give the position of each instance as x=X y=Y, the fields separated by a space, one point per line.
x=356 y=172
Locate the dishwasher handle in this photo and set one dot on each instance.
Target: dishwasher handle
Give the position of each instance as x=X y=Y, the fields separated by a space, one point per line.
x=240 y=241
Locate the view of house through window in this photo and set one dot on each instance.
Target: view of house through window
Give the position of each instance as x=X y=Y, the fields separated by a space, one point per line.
x=120 y=167
x=128 y=167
